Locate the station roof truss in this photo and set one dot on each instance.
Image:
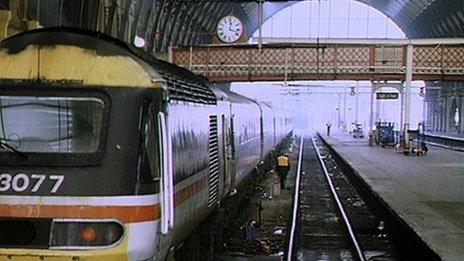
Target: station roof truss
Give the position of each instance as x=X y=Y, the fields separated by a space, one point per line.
x=165 y=23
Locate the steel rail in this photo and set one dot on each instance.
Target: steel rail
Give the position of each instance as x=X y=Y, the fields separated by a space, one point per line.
x=359 y=252
x=295 y=204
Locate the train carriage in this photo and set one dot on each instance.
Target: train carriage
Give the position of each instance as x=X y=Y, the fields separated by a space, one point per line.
x=108 y=154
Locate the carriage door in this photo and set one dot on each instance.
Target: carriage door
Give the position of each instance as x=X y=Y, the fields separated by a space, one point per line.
x=166 y=184
x=226 y=153
x=232 y=158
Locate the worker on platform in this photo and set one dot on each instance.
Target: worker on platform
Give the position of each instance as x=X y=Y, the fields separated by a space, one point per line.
x=328 y=125
x=282 y=168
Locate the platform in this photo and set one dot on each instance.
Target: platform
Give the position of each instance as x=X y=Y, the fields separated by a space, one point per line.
x=425 y=191
x=454 y=136
x=445 y=140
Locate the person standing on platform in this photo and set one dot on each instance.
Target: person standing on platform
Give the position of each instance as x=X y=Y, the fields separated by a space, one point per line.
x=282 y=168
x=328 y=125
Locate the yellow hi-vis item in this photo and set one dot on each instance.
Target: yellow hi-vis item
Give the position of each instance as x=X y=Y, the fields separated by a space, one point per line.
x=282 y=161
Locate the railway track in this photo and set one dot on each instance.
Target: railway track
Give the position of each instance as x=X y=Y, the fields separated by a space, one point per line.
x=333 y=221
x=328 y=215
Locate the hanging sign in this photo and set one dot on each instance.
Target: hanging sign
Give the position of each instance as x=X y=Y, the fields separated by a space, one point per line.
x=387 y=95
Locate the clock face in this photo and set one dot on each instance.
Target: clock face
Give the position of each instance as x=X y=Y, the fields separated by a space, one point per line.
x=229 y=29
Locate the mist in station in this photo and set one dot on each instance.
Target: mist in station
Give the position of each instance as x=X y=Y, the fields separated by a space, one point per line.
x=315 y=103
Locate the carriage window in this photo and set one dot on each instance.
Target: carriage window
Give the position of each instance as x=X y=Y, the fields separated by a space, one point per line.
x=51 y=124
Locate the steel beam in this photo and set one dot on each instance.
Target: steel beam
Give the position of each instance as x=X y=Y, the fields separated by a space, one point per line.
x=362 y=41
x=243 y=62
x=159 y=5
x=166 y=16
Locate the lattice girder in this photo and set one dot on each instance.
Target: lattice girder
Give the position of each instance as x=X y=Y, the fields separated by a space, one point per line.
x=324 y=61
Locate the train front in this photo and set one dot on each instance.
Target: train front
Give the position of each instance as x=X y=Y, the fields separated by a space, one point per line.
x=77 y=178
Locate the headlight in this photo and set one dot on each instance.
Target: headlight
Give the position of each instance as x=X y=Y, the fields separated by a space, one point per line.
x=83 y=234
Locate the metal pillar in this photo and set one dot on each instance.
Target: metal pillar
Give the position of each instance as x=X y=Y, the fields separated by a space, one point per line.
x=439 y=114
x=432 y=114
x=447 y=114
x=339 y=111
x=260 y=21
x=461 y=114
x=407 y=85
x=371 y=113
x=356 y=96
x=425 y=108
x=344 y=110
x=436 y=107
x=459 y=106
x=442 y=114
x=457 y=125
x=407 y=94
x=401 y=109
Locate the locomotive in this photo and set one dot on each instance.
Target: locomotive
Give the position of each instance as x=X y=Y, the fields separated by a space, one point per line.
x=109 y=154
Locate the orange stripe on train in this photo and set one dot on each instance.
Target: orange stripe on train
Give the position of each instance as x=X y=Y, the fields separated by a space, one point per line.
x=126 y=214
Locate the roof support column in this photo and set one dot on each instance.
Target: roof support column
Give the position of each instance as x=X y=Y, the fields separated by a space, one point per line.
x=441 y=114
x=428 y=118
x=371 y=114
x=344 y=110
x=407 y=85
x=445 y=114
x=260 y=22
x=433 y=115
x=448 y=117
x=401 y=127
x=377 y=117
x=407 y=94
x=461 y=114
x=356 y=96
x=436 y=107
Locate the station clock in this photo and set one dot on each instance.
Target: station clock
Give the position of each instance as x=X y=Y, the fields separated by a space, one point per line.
x=229 y=29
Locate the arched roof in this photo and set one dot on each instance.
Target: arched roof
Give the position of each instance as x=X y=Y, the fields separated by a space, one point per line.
x=191 y=22
x=417 y=18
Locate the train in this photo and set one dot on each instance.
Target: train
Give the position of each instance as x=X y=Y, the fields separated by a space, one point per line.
x=107 y=153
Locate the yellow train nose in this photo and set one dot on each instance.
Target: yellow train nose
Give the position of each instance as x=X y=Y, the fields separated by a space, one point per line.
x=118 y=253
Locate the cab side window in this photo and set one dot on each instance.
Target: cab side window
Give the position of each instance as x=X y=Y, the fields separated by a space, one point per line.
x=148 y=176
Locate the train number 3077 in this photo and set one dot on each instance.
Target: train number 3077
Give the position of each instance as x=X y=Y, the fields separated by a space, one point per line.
x=22 y=182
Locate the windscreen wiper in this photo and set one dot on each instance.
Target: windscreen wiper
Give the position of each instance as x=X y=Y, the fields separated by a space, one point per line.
x=20 y=153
